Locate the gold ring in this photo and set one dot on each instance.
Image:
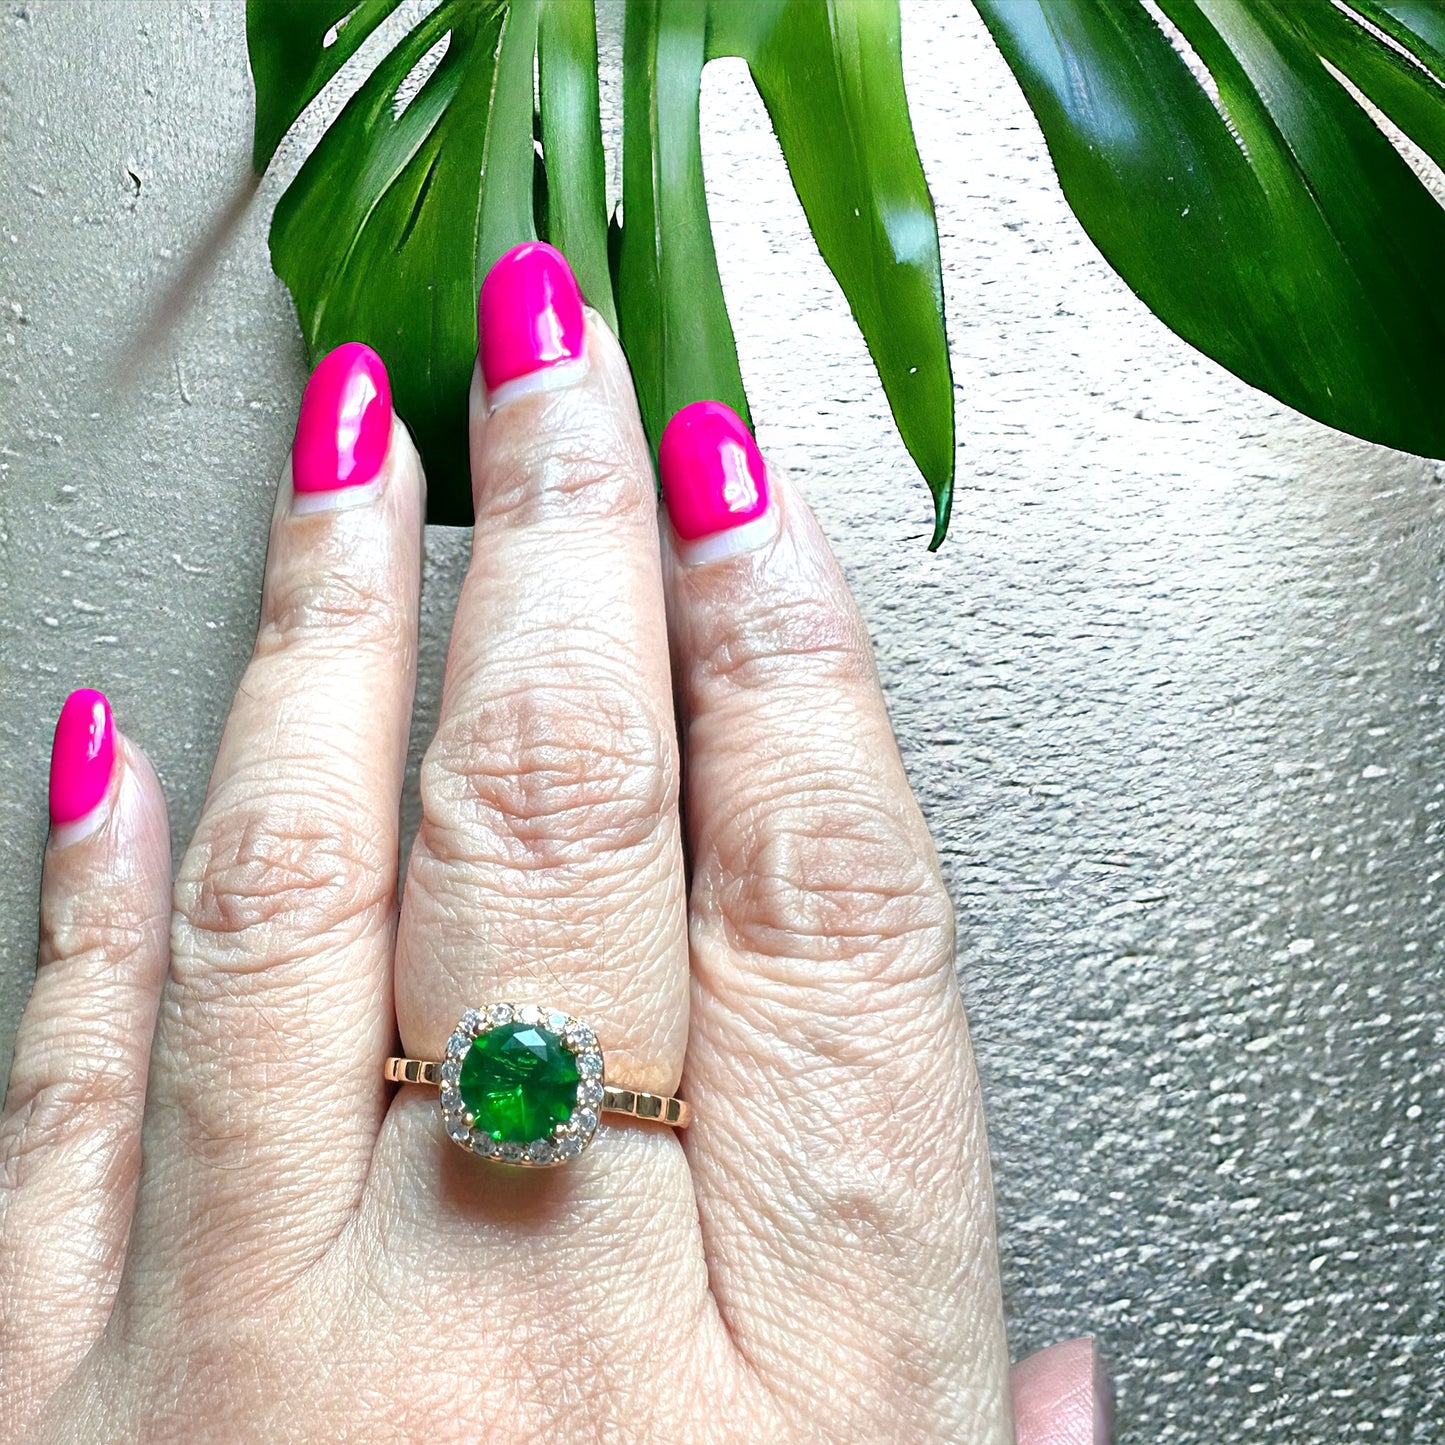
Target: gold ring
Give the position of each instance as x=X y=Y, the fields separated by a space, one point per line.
x=524 y=1085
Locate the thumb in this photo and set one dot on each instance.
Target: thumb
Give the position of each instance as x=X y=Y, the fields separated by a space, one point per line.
x=1063 y=1396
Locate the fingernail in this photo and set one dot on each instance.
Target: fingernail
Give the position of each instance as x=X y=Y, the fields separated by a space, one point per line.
x=529 y=321
x=82 y=758
x=1103 y=1400
x=344 y=429
x=714 y=483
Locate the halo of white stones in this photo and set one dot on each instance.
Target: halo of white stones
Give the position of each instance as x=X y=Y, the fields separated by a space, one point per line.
x=567 y=1140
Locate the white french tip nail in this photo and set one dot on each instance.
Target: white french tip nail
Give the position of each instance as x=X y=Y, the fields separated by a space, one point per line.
x=746 y=538
x=62 y=835
x=343 y=499
x=549 y=378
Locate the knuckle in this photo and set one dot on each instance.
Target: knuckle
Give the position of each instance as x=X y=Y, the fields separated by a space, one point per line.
x=266 y=875
x=832 y=874
x=867 y=1206
x=85 y=1113
x=568 y=468
x=789 y=638
x=71 y=932
x=325 y=600
x=548 y=776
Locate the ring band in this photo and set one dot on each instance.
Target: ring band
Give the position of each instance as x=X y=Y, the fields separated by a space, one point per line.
x=524 y=1085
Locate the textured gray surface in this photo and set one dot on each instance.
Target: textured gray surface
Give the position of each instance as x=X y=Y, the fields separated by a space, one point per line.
x=1171 y=694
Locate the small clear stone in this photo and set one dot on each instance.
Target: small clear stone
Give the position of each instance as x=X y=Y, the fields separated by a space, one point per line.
x=557 y=1022
x=529 y=1014
x=457 y=1045
x=451 y=1101
x=471 y=1022
x=590 y=1094
x=586 y=1121
x=590 y=1066
x=457 y=1128
x=510 y=1152
x=569 y=1148
x=581 y=1037
x=450 y=1070
x=500 y=1013
x=540 y=1151
x=483 y=1144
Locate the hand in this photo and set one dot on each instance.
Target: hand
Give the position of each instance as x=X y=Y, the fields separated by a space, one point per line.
x=218 y=1222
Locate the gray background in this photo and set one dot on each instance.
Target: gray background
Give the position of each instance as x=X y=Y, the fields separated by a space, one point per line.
x=1171 y=693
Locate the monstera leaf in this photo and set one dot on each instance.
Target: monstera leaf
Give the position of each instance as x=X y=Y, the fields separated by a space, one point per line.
x=1249 y=167
x=1229 y=173
x=436 y=166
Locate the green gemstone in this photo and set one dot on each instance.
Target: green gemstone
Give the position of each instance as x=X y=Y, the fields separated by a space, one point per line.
x=518 y=1081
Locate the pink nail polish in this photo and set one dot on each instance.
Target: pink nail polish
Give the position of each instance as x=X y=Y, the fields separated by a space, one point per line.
x=345 y=424
x=82 y=756
x=529 y=315
x=713 y=477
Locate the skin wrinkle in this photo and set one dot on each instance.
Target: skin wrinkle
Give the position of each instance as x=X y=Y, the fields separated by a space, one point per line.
x=778 y=893
x=84 y=942
x=811 y=892
x=853 y=1207
x=592 y=667
x=530 y=938
x=768 y=612
x=83 y=1174
x=832 y=803
x=265 y=870
x=833 y=1155
x=310 y=609
x=549 y=777
x=50 y=1057
x=312 y=784
x=793 y=644
x=599 y=434
x=67 y=1128
x=540 y=489
x=599 y=1291
x=834 y=1054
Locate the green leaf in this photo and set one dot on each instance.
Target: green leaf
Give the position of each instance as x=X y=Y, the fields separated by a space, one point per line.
x=295 y=47
x=1418 y=25
x=669 y=296
x=504 y=204
x=831 y=76
x=1278 y=231
x=576 y=195
x=384 y=235
x=1406 y=93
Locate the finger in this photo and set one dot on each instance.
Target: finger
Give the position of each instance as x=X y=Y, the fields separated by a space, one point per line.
x=839 y=1150
x=278 y=1004
x=1062 y=1396
x=70 y=1138
x=548 y=865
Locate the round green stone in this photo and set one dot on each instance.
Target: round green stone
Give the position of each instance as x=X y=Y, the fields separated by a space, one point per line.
x=518 y=1081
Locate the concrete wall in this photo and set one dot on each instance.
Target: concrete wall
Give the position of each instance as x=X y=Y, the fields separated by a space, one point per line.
x=1171 y=693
